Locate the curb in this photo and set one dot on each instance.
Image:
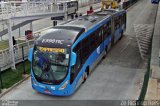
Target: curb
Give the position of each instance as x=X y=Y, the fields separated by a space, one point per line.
x=15 y=85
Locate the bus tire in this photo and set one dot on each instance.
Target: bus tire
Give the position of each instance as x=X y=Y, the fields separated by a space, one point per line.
x=84 y=77
x=105 y=54
x=121 y=35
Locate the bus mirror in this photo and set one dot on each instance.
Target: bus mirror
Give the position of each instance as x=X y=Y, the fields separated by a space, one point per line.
x=30 y=54
x=73 y=59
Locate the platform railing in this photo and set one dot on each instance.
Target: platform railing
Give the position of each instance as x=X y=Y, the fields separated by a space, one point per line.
x=5 y=59
x=18 y=9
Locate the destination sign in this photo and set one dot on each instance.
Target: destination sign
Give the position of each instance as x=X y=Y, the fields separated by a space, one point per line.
x=55 y=41
x=45 y=49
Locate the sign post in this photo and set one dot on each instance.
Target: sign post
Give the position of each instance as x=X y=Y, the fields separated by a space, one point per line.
x=24 y=71
x=1 y=83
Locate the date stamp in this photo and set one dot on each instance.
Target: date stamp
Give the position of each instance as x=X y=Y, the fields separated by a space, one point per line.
x=9 y=103
x=139 y=103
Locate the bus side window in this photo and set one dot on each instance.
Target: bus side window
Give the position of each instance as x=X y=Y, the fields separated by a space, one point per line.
x=125 y=18
x=122 y=19
x=85 y=49
x=92 y=42
x=107 y=29
x=117 y=22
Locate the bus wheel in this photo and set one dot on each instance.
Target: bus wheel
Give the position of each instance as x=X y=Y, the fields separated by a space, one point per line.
x=84 y=77
x=105 y=54
x=121 y=35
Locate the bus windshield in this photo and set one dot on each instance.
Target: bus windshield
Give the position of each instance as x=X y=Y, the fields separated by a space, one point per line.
x=50 y=65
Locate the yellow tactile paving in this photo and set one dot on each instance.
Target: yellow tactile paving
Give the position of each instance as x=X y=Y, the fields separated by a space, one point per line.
x=152 y=90
x=158 y=91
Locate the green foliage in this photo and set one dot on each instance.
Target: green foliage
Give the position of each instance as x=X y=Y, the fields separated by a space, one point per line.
x=10 y=77
x=5 y=44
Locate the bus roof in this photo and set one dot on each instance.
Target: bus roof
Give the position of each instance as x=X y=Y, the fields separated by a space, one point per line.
x=64 y=35
x=86 y=21
x=59 y=36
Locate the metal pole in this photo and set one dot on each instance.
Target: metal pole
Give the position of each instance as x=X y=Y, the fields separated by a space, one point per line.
x=11 y=44
x=1 y=81
x=19 y=31
x=66 y=11
x=31 y=27
x=24 y=71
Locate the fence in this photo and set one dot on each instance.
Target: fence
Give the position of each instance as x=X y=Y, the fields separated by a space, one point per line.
x=5 y=60
x=20 y=9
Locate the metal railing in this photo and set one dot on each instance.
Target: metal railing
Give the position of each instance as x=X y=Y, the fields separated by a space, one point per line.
x=5 y=59
x=19 y=8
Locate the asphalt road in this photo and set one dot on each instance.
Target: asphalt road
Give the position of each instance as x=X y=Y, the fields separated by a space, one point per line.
x=118 y=77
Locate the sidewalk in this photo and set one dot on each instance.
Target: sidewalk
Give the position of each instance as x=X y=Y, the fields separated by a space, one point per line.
x=153 y=90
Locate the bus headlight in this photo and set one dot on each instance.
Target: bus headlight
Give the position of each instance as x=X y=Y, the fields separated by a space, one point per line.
x=64 y=85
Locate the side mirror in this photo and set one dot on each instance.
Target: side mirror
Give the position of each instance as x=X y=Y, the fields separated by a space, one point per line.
x=30 y=53
x=73 y=58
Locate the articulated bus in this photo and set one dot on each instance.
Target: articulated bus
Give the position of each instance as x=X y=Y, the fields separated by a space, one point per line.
x=63 y=58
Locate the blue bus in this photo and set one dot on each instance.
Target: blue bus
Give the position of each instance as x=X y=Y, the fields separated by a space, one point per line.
x=63 y=58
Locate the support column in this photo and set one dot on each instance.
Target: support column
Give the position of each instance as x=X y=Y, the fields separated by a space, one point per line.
x=19 y=31
x=66 y=11
x=31 y=27
x=12 y=57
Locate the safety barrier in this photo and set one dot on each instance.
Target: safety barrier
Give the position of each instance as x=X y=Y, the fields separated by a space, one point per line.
x=5 y=60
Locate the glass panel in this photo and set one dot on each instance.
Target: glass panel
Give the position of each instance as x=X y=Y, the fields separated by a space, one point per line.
x=50 y=64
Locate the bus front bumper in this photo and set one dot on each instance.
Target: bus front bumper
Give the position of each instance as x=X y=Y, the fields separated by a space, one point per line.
x=51 y=90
